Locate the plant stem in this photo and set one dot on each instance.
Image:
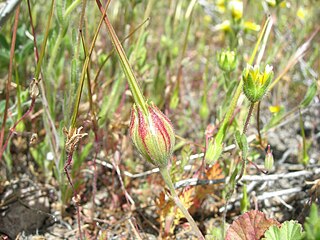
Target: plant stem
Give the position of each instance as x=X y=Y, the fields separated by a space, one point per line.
x=245 y=128
x=258 y=124
x=255 y=50
x=72 y=6
x=44 y=44
x=48 y=122
x=55 y=49
x=84 y=72
x=167 y=179
x=132 y=81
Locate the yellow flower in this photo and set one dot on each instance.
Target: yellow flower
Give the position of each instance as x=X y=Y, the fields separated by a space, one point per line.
x=220 y=6
x=236 y=8
x=251 y=26
x=301 y=13
x=274 y=109
x=207 y=19
x=224 y=26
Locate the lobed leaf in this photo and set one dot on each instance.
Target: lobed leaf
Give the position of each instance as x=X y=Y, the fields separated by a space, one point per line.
x=289 y=230
x=250 y=225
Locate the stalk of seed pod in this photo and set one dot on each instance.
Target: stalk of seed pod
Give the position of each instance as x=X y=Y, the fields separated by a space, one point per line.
x=151 y=131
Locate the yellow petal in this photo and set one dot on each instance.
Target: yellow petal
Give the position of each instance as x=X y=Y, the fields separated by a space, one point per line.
x=274 y=109
x=251 y=26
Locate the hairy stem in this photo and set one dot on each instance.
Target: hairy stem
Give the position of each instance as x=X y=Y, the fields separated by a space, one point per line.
x=258 y=124
x=245 y=128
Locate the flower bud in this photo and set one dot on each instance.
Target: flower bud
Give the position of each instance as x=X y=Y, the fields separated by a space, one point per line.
x=152 y=134
x=227 y=60
x=256 y=83
x=268 y=161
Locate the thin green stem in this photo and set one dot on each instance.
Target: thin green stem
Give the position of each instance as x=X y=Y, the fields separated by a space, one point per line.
x=189 y=15
x=112 y=51
x=245 y=128
x=258 y=124
x=55 y=49
x=72 y=6
x=233 y=105
x=61 y=34
x=84 y=71
x=174 y=196
x=43 y=47
x=132 y=81
x=255 y=50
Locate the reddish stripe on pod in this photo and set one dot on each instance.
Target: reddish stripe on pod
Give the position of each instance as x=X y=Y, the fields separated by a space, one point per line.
x=143 y=129
x=132 y=120
x=163 y=115
x=158 y=118
x=141 y=125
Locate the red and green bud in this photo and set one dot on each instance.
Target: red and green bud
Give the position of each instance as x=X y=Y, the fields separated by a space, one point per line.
x=152 y=134
x=256 y=82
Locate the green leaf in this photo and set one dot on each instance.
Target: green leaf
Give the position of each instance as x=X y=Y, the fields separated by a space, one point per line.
x=312 y=224
x=213 y=151
x=289 y=230
x=185 y=154
x=237 y=136
x=244 y=202
x=312 y=90
x=59 y=12
x=245 y=146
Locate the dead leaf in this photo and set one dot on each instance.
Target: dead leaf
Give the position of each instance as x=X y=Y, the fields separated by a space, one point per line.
x=169 y=214
x=214 y=172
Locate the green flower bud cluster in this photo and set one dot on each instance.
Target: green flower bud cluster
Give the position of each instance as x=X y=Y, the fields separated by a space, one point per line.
x=256 y=82
x=227 y=60
x=152 y=134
